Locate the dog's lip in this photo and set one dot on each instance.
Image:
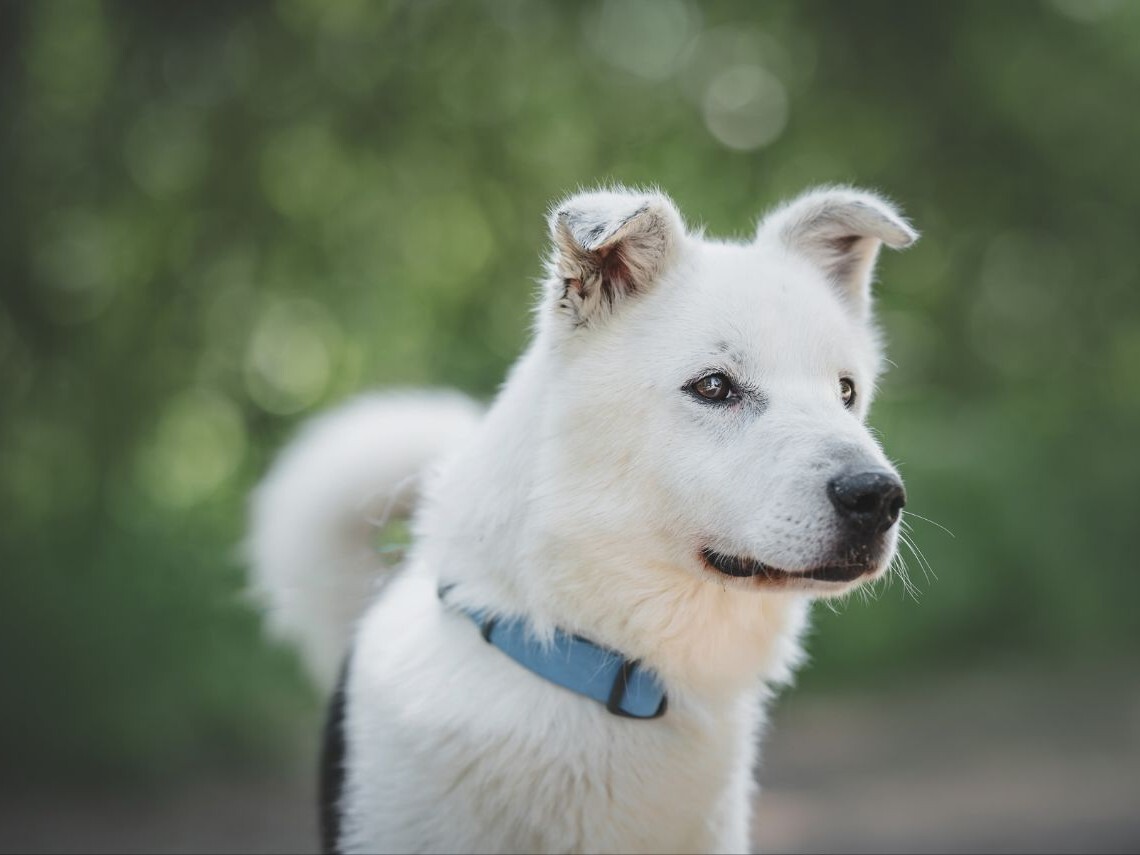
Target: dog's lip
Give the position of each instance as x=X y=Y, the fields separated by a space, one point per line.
x=741 y=567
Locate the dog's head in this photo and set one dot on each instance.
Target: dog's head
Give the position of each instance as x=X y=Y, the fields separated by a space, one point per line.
x=714 y=394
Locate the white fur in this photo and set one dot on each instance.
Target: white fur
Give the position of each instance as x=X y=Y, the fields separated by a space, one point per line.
x=313 y=519
x=581 y=501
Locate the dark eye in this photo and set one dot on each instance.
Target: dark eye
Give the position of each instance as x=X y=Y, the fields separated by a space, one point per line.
x=714 y=387
x=847 y=391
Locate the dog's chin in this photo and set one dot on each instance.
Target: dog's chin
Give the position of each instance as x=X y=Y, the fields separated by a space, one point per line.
x=820 y=579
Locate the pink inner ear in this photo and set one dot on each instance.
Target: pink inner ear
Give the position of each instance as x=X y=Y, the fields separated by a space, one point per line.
x=615 y=274
x=614 y=270
x=845 y=243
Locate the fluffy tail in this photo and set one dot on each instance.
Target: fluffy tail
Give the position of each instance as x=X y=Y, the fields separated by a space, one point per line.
x=315 y=517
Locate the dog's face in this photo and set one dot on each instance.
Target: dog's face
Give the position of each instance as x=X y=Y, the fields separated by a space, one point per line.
x=731 y=381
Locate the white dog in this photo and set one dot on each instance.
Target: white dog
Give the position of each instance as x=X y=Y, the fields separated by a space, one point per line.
x=612 y=564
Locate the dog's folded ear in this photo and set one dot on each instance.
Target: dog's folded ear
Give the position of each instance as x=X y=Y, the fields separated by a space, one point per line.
x=608 y=246
x=840 y=230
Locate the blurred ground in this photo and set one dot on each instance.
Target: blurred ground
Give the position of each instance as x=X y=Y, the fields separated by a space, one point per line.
x=980 y=763
x=998 y=763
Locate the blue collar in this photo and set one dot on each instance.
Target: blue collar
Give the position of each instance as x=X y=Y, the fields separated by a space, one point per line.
x=577 y=664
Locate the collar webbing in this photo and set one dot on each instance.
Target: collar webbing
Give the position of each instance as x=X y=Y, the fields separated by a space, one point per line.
x=575 y=663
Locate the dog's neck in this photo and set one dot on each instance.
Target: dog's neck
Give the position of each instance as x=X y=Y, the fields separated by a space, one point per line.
x=505 y=524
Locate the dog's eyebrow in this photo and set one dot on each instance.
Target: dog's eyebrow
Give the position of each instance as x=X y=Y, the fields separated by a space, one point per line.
x=727 y=353
x=724 y=347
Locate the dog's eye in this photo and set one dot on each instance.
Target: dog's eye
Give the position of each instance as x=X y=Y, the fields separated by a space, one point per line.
x=714 y=387
x=847 y=391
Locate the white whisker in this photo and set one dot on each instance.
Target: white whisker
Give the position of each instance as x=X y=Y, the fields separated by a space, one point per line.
x=932 y=522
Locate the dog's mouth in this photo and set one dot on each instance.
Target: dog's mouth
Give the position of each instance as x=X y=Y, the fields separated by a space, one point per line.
x=749 y=568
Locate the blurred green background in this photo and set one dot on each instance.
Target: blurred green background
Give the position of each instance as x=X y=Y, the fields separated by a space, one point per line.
x=220 y=218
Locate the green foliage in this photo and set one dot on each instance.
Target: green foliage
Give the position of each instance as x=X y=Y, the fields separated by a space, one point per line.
x=220 y=218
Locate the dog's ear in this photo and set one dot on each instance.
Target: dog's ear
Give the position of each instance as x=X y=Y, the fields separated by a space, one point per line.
x=840 y=230
x=608 y=246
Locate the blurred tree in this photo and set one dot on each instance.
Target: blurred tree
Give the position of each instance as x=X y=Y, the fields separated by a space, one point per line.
x=222 y=217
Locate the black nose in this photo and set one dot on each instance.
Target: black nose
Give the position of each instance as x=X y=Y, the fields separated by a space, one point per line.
x=870 y=501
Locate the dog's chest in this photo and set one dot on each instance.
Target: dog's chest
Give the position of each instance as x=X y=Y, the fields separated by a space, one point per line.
x=451 y=748
x=581 y=792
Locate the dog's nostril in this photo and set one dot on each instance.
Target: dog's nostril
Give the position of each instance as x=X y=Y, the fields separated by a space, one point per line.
x=896 y=505
x=869 y=500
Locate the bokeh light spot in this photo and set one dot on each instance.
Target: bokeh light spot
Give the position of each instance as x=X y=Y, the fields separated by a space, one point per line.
x=304 y=171
x=289 y=362
x=80 y=264
x=722 y=48
x=166 y=151
x=1087 y=11
x=447 y=239
x=645 y=37
x=70 y=58
x=198 y=445
x=745 y=107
